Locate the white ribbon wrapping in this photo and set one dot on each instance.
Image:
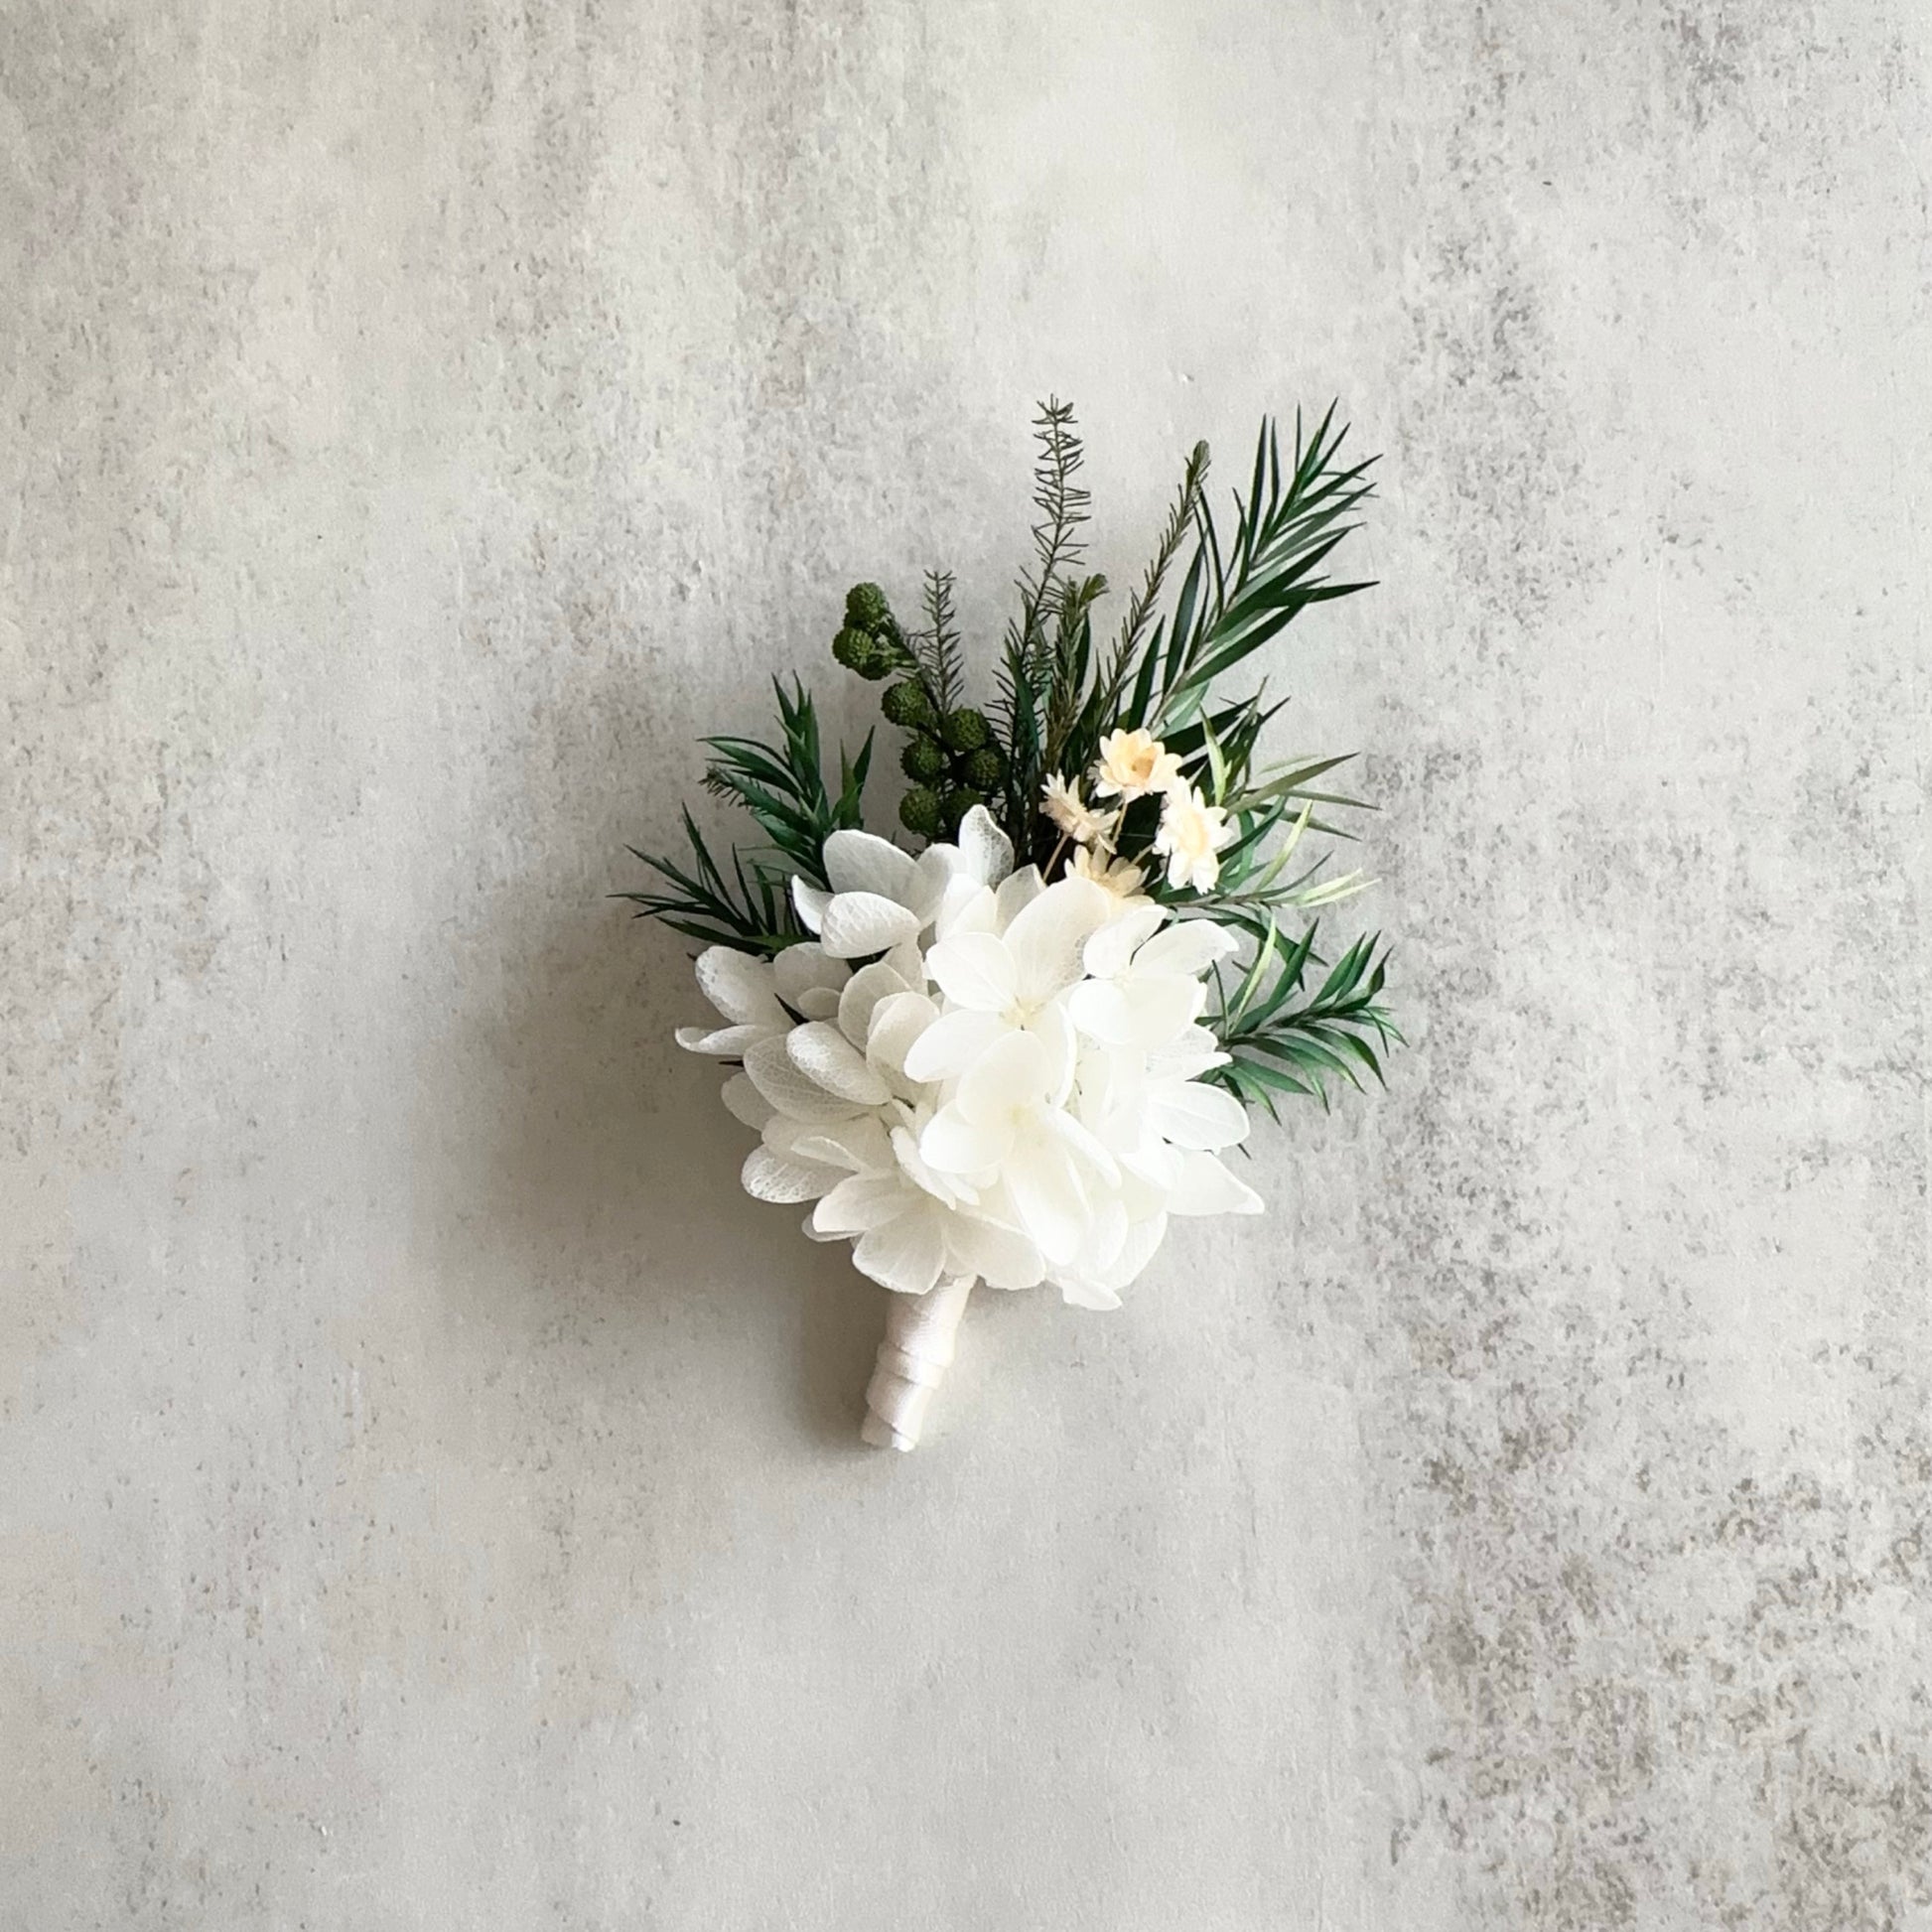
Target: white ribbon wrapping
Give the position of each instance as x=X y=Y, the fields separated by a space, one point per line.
x=913 y=1357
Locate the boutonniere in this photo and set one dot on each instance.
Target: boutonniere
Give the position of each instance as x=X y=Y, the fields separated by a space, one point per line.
x=1006 y=1047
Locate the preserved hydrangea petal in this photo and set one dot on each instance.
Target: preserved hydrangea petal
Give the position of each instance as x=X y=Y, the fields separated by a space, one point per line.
x=742 y=988
x=723 y=1043
x=791 y=1092
x=1196 y=1117
x=819 y=1051
x=857 y=924
x=800 y=970
x=743 y=1102
x=860 y=862
x=772 y=1176
x=986 y=853
x=861 y=994
x=1204 y=1186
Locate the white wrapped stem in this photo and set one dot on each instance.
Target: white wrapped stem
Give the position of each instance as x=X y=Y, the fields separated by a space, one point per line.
x=915 y=1354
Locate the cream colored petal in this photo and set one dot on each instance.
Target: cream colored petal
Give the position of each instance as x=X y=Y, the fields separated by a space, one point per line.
x=966 y=907
x=953 y=1142
x=1136 y=1012
x=800 y=970
x=975 y=971
x=906 y=1255
x=896 y=1023
x=932 y=872
x=1049 y=1204
x=1001 y=1257
x=1047 y=938
x=1189 y=947
x=1015 y=1071
x=909 y=962
x=1194 y=1116
x=951 y=1044
x=858 y=1203
x=1080 y=1145
x=1187 y=1056
x=1015 y=894
x=1078 y=1293
x=811 y=900
x=721 y=1043
x=859 y=1146
x=1114 y=945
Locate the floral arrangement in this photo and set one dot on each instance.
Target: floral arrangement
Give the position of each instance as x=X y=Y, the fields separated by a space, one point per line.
x=1011 y=1053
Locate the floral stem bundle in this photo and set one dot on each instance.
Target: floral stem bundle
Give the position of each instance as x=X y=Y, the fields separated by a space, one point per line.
x=1007 y=1048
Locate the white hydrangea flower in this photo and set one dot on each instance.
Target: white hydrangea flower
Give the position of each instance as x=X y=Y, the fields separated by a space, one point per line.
x=881 y=897
x=1144 y=985
x=973 y=1074
x=1166 y=1127
x=1139 y=1091
x=911 y=1226
x=1006 y=1126
x=1003 y=965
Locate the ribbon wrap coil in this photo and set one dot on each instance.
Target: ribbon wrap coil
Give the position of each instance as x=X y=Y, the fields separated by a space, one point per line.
x=912 y=1361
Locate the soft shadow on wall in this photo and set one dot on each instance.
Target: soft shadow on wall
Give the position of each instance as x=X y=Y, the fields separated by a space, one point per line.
x=584 y=1197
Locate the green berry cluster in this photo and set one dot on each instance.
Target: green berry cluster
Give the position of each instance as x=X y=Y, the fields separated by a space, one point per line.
x=871 y=642
x=953 y=759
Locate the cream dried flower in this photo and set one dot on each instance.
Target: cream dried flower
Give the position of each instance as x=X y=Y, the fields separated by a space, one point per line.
x=1133 y=764
x=1121 y=876
x=1063 y=804
x=1192 y=836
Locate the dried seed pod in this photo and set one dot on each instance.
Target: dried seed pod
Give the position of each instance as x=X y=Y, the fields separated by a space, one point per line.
x=984 y=769
x=865 y=608
x=965 y=730
x=905 y=703
x=923 y=811
x=857 y=650
x=923 y=761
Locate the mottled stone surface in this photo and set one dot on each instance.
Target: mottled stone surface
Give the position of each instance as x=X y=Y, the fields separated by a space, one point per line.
x=430 y=1494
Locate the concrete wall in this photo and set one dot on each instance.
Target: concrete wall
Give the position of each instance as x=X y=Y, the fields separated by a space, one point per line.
x=430 y=1494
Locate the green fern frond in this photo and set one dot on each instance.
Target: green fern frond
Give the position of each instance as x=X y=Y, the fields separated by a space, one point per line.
x=783 y=785
x=1280 y=1043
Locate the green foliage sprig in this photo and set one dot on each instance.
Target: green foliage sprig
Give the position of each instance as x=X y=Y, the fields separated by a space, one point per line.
x=1047 y=645
x=750 y=910
x=1233 y=601
x=784 y=787
x=1058 y=695
x=1282 y=1043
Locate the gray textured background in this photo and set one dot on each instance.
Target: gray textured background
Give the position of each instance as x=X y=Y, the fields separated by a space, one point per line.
x=429 y=1491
